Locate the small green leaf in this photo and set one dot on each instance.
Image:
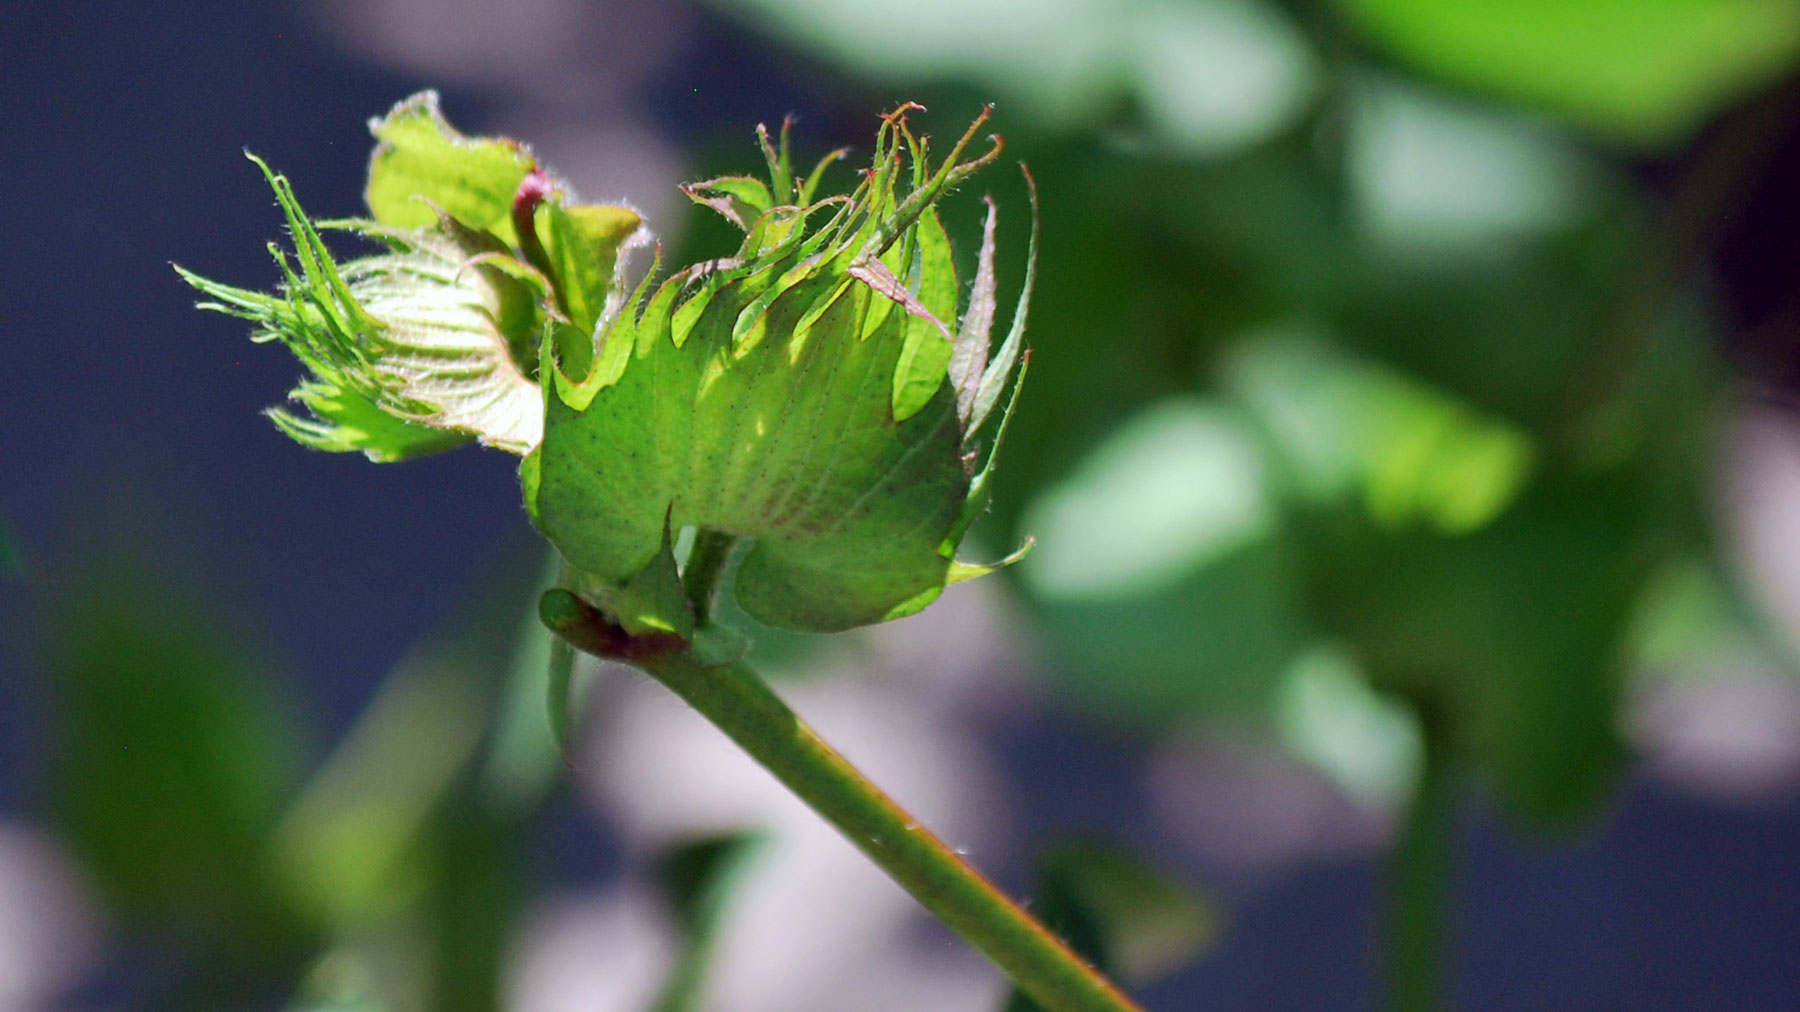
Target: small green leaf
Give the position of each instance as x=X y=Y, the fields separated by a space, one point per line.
x=1130 y=919
x=698 y=877
x=960 y=571
x=1370 y=745
x=423 y=165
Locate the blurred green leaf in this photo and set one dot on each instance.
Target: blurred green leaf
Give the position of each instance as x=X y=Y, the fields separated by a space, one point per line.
x=698 y=877
x=1694 y=623
x=1191 y=562
x=1159 y=575
x=1130 y=919
x=447 y=948
x=172 y=756
x=1515 y=633
x=1149 y=266
x=1505 y=336
x=1501 y=296
x=1436 y=178
x=473 y=903
x=1340 y=427
x=350 y=847
x=1176 y=486
x=1209 y=77
x=652 y=601
x=1685 y=612
x=520 y=767
x=339 y=981
x=1371 y=746
x=405 y=844
x=363 y=845
x=1644 y=71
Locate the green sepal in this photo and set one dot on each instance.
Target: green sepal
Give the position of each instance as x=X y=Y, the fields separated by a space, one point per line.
x=960 y=571
x=955 y=573
x=738 y=199
x=345 y=422
x=652 y=601
x=993 y=379
x=811 y=185
x=980 y=487
x=926 y=354
x=423 y=165
x=584 y=243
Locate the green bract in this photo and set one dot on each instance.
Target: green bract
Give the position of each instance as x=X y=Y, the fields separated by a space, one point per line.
x=818 y=392
x=435 y=341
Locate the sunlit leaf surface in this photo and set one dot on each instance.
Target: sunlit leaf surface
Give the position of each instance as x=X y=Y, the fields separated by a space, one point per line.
x=1641 y=70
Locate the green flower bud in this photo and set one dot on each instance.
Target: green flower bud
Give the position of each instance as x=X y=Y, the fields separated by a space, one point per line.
x=821 y=392
x=434 y=342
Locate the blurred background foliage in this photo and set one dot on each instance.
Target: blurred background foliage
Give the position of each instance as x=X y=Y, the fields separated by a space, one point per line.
x=1391 y=366
x=1348 y=377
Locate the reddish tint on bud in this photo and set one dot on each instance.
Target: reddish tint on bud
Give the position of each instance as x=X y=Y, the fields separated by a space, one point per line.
x=533 y=190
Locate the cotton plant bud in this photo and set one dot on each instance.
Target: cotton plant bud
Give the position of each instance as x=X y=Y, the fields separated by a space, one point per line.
x=828 y=394
x=434 y=341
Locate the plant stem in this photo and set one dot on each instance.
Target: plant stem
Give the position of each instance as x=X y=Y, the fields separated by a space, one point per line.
x=705 y=566
x=1419 y=884
x=1700 y=206
x=737 y=701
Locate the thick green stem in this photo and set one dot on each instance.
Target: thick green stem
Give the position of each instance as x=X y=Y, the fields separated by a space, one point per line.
x=1419 y=874
x=740 y=704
